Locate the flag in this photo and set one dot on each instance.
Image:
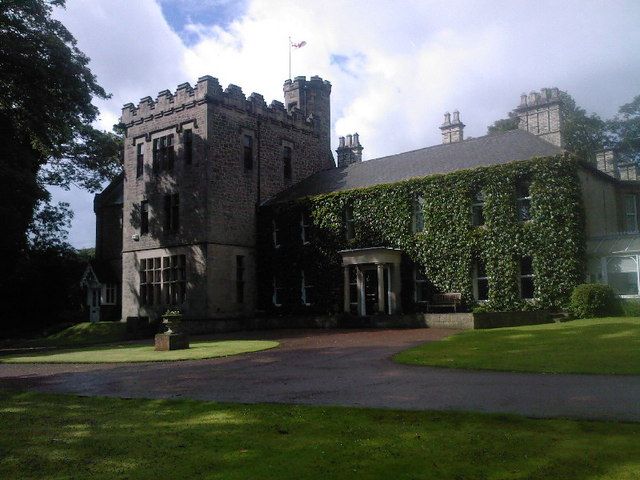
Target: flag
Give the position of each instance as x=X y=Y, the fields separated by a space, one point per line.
x=299 y=45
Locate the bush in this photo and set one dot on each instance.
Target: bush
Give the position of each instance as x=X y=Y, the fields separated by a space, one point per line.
x=593 y=300
x=630 y=308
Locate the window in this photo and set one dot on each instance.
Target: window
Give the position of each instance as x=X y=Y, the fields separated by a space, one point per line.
x=421 y=286
x=139 y=161
x=163 y=154
x=306 y=290
x=630 y=214
x=286 y=160
x=523 y=201
x=349 y=227
x=144 y=217
x=150 y=281
x=109 y=294
x=527 y=289
x=480 y=281
x=174 y=279
x=477 y=209
x=277 y=293
x=171 y=212
x=418 y=214
x=305 y=227
x=239 y=278
x=247 y=151
x=187 y=140
x=622 y=275
x=276 y=234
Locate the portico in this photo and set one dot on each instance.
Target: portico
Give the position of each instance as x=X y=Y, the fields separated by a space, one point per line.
x=372 y=283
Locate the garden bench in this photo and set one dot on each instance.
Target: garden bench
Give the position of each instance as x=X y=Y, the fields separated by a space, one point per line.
x=446 y=300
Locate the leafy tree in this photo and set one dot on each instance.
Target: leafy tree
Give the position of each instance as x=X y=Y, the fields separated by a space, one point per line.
x=583 y=134
x=46 y=112
x=625 y=130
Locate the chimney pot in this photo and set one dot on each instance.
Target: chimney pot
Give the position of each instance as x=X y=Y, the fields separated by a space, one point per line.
x=456 y=116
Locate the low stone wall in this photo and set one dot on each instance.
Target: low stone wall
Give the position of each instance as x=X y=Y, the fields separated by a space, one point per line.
x=462 y=321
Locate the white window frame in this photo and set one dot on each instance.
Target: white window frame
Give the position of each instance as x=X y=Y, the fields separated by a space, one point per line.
x=476 y=281
x=349 y=223
x=478 y=202
x=275 y=233
x=416 y=282
x=630 y=214
x=109 y=294
x=277 y=292
x=605 y=272
x=304 y=226
x=525 y=198
x=417 y=224
x=531 y=276
x=303 y=290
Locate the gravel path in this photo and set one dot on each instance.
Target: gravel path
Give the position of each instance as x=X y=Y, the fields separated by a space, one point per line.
x=342 y=367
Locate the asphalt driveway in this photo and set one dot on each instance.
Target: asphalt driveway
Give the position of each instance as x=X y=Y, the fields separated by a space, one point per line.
x=342 y=367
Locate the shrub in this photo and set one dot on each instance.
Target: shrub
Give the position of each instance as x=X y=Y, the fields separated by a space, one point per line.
x=592 y=300
x=630 y=308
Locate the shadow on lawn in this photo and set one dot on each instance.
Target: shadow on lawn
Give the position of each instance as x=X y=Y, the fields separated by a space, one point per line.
x=62 y=436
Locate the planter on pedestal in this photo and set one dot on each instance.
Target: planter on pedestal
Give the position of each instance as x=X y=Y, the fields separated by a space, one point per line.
x=173 y=338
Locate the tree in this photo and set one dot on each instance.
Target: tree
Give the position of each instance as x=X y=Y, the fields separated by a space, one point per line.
x=583 y=134
x=625 y=130
x=46 y=112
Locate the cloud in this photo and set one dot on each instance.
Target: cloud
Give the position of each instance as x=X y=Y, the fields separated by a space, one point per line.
x=396 y=67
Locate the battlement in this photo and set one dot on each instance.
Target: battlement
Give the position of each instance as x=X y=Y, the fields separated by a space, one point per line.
x=208 y=90
x=314 y=82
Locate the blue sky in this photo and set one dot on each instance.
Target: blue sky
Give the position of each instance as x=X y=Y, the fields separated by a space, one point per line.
x=395 y=67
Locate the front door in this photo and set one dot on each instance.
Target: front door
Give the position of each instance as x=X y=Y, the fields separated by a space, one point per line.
x=370 y=291
x=94 y=304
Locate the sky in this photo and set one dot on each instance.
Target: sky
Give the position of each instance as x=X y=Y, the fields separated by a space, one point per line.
x=395 y=66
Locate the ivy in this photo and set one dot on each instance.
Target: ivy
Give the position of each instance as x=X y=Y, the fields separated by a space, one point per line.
x=449 y=245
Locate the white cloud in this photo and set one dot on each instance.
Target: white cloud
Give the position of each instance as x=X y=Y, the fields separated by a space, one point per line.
x=402 y=63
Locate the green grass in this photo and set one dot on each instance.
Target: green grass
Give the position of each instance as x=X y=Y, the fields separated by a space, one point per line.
x=142 y=352
x=84 y=334
x=602 y=345
x=62 y=437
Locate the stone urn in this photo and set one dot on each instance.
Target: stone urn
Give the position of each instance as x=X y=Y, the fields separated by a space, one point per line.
x=174 y=337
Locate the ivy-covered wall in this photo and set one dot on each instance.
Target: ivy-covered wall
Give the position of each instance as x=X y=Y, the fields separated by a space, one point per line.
x=449 y=244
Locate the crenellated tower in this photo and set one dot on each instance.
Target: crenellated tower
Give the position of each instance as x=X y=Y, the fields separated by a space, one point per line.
x=312 y=98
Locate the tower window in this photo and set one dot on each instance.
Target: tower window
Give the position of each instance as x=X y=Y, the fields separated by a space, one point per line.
x=163 y=153
x=247 y=151
x=139 y=161
x=305 y=227
x=188 y=146
x=172 y=212
x=286 y=160
x=144 y=217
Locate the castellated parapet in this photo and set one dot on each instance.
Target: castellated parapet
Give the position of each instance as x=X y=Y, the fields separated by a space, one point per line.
x=301 y=115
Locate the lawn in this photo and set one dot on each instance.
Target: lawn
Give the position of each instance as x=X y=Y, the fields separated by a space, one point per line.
x=61 y=437
x=602 y=345
x=141 y=352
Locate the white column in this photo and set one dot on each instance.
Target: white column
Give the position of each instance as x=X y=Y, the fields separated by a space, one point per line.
x=347 y=289
x=362 y=310
x=381 y=290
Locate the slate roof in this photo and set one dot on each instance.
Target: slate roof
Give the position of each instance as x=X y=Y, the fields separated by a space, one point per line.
x=475 y=152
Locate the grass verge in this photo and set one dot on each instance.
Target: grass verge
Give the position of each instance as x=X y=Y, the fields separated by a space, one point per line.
x=596 y=346
x=142 y=352
x=60 y=437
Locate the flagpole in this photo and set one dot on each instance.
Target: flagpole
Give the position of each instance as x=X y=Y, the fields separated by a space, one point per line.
x=289 y=57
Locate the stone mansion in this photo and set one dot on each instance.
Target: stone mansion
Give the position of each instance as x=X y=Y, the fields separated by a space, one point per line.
x=228 y=207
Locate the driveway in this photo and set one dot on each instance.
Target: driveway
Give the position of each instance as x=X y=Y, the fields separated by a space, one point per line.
x=342 y=367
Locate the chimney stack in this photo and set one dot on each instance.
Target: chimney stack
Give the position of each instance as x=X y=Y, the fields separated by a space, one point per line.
x=452 y=130
x=607 y=162
x=349 y=150
x=539 y=113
